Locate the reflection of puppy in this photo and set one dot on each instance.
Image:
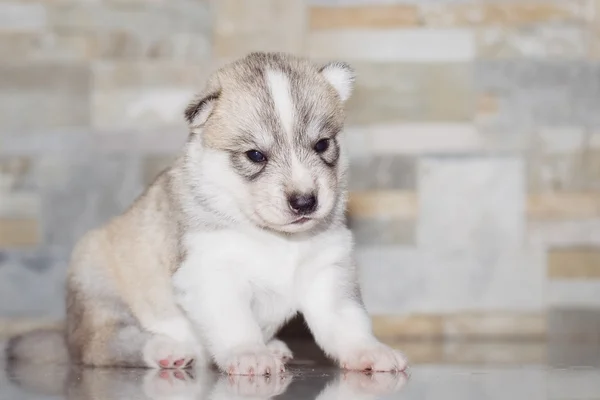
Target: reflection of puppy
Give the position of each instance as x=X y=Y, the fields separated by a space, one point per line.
x=360 y=386
x=242 y=232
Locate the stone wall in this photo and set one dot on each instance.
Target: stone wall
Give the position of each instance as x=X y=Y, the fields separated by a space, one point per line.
x=474 y=132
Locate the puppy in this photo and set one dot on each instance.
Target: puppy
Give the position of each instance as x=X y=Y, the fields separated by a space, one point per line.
x=242 y=232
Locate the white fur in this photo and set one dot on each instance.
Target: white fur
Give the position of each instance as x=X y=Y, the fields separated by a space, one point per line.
x=341 y=78
x=279 y=87
x=239 y=286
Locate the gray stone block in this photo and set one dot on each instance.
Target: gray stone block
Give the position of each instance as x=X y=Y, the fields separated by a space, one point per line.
x=32 y=284
x=387 y=172
x=382 y=231
x=81 y=194
x=534 y=93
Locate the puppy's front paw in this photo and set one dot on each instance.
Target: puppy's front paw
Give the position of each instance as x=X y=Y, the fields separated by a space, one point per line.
x=258 y=360
x=280 y=349
x=163 y=352
x=373 y=357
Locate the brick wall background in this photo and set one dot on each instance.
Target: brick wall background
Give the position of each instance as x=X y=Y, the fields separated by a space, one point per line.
x=474 y=133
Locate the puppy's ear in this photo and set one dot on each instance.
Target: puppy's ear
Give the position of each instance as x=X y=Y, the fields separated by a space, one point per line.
x=198 y=111
x=341 y=76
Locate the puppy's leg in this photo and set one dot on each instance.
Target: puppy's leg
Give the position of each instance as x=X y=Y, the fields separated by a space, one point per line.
x=221 y=308
x=340 y=324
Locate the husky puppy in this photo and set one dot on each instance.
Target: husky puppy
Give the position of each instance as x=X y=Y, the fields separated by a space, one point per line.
x=242 y=232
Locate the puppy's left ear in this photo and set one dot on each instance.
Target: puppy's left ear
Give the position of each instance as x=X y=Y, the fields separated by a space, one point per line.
x=341 y=76
x=198 y=111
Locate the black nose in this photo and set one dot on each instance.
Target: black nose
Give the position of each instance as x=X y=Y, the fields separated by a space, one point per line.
x=302 y=203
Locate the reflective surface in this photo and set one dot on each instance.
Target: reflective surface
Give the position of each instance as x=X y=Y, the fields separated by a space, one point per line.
x=566 y=372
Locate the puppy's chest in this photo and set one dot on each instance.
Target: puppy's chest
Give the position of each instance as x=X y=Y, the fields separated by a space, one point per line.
x=267 y=264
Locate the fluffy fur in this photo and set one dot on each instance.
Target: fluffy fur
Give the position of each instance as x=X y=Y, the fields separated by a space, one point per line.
x=213 y=258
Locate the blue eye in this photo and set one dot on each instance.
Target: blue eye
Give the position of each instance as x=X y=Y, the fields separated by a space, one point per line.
x=256 y=156
x=322 y=146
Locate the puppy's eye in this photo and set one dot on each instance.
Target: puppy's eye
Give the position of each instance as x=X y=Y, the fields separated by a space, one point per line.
x=256 y=156
x=322 y=146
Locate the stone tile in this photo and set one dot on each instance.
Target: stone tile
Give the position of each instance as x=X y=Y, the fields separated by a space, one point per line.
x=555 y=205
x=22 y=295
x=398 y=280
x=13 y=172
x=577 y=325
x=545 y=41
x=495 y=324
x=527 y=349
x=418 y=138
x=385 y=172
x=265 y=25
x=19 y=205
x=81 y=193
x=120 y=45
x=57 y=94
x=153 y=18
x=573 y=293
x=421 y=326
x=383 y=204
x=483 y=204
x=18 y=233
x=507 y=13
x=394 y=45
x=581 y=262
x=145 y=95
x=391 y=92
x=382 y=231
x=375 y=16
x=153 y=165
x=19 y=16
x=534 y=93
x=563 y=160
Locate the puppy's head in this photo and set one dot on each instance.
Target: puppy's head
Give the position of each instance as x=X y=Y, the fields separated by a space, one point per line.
x=265 y=141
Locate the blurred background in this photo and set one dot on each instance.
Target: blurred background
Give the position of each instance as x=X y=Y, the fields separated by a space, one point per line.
x=474 y=132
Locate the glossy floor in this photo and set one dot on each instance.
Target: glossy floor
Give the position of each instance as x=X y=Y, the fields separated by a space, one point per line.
x=482 y=371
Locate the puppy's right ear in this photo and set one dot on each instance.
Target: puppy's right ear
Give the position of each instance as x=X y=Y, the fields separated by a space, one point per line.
x=198 y=111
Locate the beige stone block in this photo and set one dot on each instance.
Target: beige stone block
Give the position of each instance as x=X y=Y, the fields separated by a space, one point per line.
x=264 y=25
x=495 y=324
x=510 y=13
x=377 y=16
x=393 y=45
x=419 y=326
x=397 y=92
x=559 y=205
x=418 y=351
x=19 y=232
x=392 y=204
x=581 y=262
x=497 y=352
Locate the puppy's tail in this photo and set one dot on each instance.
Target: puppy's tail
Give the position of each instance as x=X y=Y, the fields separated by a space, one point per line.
x=46 y=345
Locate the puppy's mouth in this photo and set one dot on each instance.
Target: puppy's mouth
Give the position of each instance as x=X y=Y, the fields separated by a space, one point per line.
x=301 y=220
